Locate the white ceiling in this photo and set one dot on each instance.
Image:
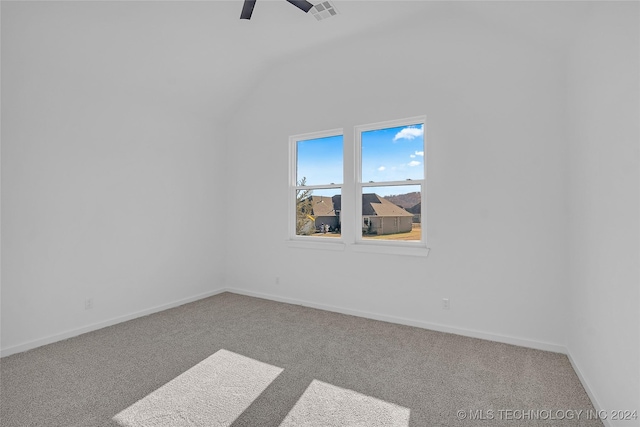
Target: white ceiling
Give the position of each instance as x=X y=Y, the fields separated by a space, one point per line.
x=199 y=54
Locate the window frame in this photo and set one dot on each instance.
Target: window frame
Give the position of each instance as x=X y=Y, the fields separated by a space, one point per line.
x=352 y=186
x=360 y=186
x=294 y=187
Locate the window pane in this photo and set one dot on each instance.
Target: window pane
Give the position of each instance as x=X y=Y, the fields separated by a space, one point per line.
x=393 y=154
x=318 y=212
x=392 y=213
x=319 y=161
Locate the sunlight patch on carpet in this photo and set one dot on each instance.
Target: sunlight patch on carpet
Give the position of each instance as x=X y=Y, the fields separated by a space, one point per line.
x=212 y=393
x=323 y=405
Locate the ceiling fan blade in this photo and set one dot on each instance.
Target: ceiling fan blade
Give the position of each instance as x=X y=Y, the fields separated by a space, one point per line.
x=301 y=4
x=247 y=9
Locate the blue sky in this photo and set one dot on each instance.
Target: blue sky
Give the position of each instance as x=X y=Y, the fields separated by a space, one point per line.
x=392 y=154
x=320 y=160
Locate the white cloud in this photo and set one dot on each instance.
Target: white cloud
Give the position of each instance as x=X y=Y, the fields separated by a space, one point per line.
x=410 y=132
x=414 y=163
x=381 y=168
x=413 y=156
x=419 y=153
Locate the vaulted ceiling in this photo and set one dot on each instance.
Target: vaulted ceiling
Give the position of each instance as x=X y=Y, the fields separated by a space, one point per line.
x=198 y=54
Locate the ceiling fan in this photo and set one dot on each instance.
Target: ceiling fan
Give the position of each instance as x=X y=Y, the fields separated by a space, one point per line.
x=247 y=8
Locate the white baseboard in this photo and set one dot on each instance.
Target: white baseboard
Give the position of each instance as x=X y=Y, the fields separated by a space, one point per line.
x=538 y=345
x=95 y=326
x=588 y=389
x=369 y=315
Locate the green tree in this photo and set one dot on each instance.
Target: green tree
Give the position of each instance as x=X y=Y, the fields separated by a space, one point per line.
x=304 y=210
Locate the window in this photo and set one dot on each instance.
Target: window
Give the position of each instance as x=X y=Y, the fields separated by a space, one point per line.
x=318 y=184
x=390 y=179
x=380 y=188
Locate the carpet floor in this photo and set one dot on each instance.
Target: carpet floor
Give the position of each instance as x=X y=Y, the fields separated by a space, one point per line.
x=232 y=360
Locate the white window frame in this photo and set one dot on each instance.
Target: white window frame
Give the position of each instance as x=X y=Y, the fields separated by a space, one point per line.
x=353 y=187
x=333 y=243
x=360 y=186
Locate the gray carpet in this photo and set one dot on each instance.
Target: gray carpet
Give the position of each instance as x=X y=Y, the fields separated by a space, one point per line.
x=232 y=360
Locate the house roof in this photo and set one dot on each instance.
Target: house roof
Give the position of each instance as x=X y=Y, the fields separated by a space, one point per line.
x=415 y=209
x=374 y=205
x=322 y=206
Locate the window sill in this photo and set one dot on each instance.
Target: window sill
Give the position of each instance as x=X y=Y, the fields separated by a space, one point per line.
x=418 y=251
x=324 y=245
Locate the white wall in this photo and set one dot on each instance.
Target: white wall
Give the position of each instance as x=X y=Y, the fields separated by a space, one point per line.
x=604 y=217
x=138 y=200
x=108 y=192
x=496 y=158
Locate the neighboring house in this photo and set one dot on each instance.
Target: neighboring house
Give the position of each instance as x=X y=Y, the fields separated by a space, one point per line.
x=322 y=209
x=315 y=211
x=379 y=215
x=416 y=210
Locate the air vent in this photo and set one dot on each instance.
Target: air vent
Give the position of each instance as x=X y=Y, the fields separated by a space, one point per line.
x=324 y=10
